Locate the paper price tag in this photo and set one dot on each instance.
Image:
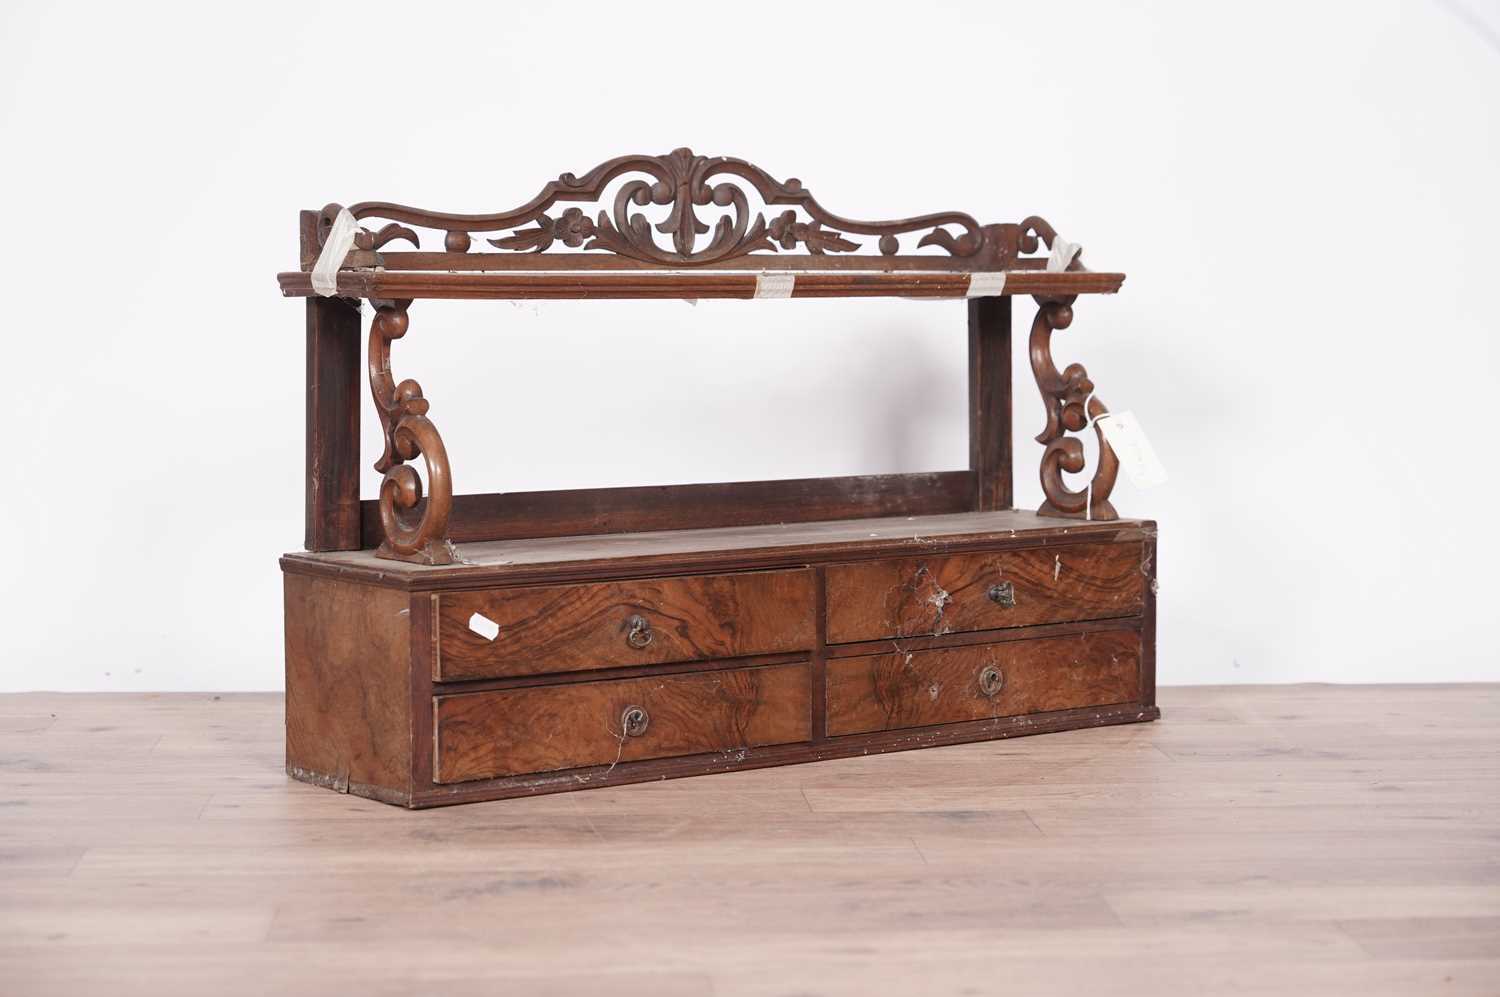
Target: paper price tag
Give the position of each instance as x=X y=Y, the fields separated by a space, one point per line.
x=1128 y=440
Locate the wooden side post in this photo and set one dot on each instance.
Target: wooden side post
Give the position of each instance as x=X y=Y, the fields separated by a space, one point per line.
x=333 y=396
x=989 y=402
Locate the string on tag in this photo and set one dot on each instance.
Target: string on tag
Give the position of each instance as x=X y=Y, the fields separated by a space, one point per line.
x=1088 y=508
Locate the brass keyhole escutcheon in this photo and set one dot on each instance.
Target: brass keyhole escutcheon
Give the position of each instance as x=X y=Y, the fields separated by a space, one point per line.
x=1003 y=594
x=991 y=681
x=638 y=632
x=634 y=721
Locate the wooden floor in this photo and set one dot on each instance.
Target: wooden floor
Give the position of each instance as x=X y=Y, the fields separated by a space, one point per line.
x=1258 y=840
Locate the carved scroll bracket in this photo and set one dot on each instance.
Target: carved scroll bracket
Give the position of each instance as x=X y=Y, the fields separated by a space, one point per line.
x=1071 y=405
x=414 y=531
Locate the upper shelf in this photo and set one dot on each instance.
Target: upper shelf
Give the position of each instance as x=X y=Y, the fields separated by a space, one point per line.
x=707 y=241
x=703 y=284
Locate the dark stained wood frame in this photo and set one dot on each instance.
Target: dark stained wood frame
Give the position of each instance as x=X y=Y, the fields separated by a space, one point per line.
x=616 y=255
x=989 y=403
x=333 y=389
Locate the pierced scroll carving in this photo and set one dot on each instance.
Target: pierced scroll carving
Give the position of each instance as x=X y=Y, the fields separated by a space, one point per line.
x=692 y=188
x=1071 y=404
x=414 y=531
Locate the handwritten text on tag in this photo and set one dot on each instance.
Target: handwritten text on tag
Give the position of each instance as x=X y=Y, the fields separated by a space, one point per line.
x=1129 y=443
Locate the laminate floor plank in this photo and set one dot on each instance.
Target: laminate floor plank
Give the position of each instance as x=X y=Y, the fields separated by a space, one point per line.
x=1257 y=840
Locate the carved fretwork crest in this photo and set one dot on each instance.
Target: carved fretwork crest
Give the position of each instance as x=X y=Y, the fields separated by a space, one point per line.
x=703 y=215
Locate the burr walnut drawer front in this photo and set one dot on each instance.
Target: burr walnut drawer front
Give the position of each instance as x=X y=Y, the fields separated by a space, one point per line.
x=910 y=597
x=496 y=633
x=481 y=735
x=898 y=689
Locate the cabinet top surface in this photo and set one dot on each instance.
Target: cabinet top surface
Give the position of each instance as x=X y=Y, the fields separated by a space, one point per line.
x=723 y=548
x=677 y=225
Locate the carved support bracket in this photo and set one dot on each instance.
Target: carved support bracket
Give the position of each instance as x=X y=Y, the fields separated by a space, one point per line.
x=1071 y=405
x=420 y=537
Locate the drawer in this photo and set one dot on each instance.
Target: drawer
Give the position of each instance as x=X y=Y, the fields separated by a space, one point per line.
x=910 y=597
x=897 y=689
x=482 y=735
x=564 y=628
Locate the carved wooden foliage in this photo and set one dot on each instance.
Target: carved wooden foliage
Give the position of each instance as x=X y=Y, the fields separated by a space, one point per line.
x=691 y=188
x=1071 y=405
x=414 y=531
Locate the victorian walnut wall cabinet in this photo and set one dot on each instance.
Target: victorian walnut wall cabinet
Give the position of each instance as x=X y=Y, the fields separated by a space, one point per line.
x=445 y=648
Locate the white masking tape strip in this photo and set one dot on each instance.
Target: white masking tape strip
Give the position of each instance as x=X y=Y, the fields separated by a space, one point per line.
x=774 y=285
x=1063 y=252
x=986 y=285
x=325 y=273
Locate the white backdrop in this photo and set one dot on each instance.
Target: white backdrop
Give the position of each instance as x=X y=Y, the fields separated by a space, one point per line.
x=1304 y=197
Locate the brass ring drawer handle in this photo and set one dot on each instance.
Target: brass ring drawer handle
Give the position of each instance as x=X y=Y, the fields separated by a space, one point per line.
x=1003 y=594
x=991 y=681
x=638 y=632
x=635 y=720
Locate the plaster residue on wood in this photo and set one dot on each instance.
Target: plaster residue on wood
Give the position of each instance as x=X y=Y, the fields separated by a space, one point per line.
x=934 y=595
x=338 y=781
x=1148 y=551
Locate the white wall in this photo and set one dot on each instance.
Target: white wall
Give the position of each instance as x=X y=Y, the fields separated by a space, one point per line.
x=1304 y=197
